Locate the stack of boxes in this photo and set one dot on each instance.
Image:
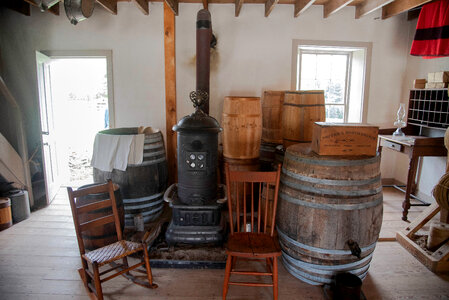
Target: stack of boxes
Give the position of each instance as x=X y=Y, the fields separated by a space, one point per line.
x=437 y=80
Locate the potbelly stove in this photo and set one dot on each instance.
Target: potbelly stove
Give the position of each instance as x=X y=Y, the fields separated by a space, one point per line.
x=196 y=200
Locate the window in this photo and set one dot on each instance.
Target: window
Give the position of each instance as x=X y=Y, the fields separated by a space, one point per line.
x=338 y=68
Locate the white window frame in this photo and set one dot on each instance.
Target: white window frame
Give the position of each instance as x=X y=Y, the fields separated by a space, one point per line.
x=346 y=47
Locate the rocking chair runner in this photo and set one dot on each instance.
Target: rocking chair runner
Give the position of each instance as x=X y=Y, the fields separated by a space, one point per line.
x=253 y=239
x=109 y=253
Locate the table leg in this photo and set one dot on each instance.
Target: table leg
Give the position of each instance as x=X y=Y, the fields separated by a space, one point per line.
x=410 y=186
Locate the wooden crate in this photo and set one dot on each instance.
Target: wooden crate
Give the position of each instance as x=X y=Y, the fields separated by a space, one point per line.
x=344 y=139
x=438 y=261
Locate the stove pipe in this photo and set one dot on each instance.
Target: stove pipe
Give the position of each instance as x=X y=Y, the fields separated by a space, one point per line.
x=203 y=39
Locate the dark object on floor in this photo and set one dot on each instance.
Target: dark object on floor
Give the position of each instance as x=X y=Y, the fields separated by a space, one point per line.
x=347 y=287
x=20 y=206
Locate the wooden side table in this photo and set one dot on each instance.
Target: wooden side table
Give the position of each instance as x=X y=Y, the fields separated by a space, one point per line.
x=414 y=147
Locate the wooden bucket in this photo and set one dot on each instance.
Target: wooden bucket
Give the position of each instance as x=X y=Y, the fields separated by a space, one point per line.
x=5 y=213
x=324 y=202
x=101 y=235
x=242 y=127
x=142 y=186
x=300 y=110
x=272 y=102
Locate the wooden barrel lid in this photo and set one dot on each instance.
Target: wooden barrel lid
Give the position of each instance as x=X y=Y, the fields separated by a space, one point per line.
x=5 y=202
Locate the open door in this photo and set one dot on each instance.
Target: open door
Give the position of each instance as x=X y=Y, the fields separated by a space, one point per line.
x=49 y=146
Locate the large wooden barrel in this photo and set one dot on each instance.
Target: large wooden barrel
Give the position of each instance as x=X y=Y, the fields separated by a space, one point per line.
x=5 y=213
x=142 y=186
x=325 y=202
x=102 y=235
x=272 y=102
x=300 y=110
x=242 y=127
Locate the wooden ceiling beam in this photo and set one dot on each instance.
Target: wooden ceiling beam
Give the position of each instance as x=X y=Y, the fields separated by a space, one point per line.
x=143 y=6
x=109 y=5
x=18 y=6
x=174 y=5
x=368 y=6
x=238 y=7
x=269 y=5
x=301 y=6
x=400 y=6
x=333 y=6
x=205 y=4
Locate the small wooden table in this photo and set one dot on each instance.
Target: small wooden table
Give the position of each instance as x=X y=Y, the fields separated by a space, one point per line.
x=414 y=147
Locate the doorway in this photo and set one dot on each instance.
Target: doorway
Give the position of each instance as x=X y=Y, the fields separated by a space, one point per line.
x=76 y=101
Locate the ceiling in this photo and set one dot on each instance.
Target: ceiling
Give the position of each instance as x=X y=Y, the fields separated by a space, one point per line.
x=363 y=7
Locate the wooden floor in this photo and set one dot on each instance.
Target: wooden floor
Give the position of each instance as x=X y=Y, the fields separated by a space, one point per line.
x=39 y=260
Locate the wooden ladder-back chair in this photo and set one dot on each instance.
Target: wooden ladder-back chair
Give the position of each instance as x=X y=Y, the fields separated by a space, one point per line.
x=108 y=254
x=252 y=230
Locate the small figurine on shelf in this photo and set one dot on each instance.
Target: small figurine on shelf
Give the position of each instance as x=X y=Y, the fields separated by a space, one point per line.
x=400 y=122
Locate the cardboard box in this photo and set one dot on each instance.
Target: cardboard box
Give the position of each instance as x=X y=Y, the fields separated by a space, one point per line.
x=442 y=76
x=431 y=85
x=440 y=85
x=419 y=86
x=344 y=139
x=419 y=83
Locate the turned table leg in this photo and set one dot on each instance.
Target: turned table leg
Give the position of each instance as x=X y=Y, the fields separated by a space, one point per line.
x=410 y=186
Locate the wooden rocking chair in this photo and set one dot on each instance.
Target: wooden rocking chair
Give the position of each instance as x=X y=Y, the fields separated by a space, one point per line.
x=110 y=253
x=253 y=239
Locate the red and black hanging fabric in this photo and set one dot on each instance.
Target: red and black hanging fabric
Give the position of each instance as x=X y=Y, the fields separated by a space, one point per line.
x=432 y=31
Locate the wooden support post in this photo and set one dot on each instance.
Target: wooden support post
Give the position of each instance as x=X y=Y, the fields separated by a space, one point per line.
x=170 y=91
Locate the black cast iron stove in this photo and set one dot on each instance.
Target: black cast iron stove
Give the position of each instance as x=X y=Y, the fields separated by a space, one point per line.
x=196 y=200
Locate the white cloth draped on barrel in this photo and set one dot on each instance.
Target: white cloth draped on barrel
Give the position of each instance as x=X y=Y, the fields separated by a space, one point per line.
x=117 y=151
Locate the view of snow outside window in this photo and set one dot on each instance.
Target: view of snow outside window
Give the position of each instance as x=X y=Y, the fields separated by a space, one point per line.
x=80 y=103
x=326 y=72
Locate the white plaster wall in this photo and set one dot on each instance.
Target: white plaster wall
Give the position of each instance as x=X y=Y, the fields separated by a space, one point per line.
x=254 y=53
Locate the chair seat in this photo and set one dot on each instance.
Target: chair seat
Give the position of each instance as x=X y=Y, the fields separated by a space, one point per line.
x=249 y=244
x=112 y=252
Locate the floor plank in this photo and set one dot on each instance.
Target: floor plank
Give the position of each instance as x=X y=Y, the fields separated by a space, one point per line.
x=39 y=259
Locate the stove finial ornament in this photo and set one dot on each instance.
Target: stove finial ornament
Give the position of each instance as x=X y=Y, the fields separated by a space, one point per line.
x=198 y=98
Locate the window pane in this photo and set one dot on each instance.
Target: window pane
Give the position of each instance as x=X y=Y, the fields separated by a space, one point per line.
x=308 y=67
x=325 y=72
x=335 y=113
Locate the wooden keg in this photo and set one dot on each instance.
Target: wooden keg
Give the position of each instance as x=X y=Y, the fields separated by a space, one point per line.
x=142 y=186
x=272 y=102
x=102 y=235
x=5 y=213
x=325 y=204
x=300 y=110
x=242 y=127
